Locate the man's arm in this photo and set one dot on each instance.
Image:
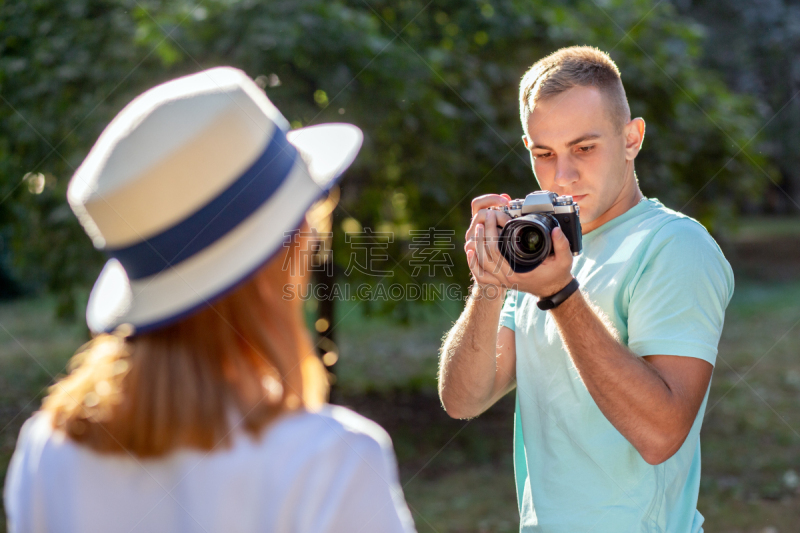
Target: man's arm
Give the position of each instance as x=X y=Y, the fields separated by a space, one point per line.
x=478 y=358
x=477 y=364
x=652 y=401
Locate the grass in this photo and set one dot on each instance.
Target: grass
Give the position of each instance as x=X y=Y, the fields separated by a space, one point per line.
x=471 y=499
x=458 y=476
x=761 y=228
x=751 y=433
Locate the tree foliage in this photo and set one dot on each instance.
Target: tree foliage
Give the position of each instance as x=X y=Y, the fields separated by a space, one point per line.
x=432 y=85
x=754 y=44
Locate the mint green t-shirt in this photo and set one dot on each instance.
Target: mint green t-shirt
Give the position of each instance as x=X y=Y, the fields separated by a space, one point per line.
x=664 y=284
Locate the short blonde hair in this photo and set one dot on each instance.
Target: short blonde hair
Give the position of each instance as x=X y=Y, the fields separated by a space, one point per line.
x=576 y=66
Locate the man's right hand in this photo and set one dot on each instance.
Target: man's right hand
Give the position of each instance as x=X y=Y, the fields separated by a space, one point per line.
x=483 y=226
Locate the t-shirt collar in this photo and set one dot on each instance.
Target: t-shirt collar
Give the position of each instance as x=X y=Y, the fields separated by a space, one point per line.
x=645 y=204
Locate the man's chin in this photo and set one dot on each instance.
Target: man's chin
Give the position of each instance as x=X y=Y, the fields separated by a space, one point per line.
x=587 y=217
x=587 y=214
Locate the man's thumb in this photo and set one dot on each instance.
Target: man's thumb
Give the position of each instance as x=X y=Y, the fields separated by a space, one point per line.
x=560 y=241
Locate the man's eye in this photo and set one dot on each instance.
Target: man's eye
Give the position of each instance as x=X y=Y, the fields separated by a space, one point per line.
x=542 y=156
x=586 y=149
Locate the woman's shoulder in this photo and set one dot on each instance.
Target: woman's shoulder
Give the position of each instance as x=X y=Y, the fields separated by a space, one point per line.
x=37 y=434
x=331 y=446
x=331 y=423
x=39 y=448
x=325 y=432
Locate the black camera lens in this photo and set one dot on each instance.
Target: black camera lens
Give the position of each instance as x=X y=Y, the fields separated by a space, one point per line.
x=525 y=241
x=531 y=240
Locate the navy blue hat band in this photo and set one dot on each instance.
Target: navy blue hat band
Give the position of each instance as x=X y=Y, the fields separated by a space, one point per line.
x=214 y=220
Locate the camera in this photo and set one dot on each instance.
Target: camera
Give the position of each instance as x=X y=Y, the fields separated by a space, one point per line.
x=525 y=240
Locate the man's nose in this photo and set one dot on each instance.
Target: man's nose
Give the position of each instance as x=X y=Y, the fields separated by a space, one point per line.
x=566 y=173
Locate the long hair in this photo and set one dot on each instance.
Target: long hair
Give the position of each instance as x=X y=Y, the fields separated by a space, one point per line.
x=237 y=364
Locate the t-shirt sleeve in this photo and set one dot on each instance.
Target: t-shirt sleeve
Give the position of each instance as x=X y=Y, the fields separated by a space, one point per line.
x=375 y=500
x=16 y=494
x=364 y=493
x=678 y=301
x=23 y=503
x=508 y=313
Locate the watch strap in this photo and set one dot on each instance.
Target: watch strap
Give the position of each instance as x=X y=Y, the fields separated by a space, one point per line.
x=551 y=302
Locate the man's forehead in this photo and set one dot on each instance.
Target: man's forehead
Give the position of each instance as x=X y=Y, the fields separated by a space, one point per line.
x=567 y=116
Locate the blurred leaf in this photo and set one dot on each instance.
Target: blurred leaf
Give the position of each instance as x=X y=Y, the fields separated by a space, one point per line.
x=433 y=87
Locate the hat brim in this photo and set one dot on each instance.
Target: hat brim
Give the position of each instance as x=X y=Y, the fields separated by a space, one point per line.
x=182 y=289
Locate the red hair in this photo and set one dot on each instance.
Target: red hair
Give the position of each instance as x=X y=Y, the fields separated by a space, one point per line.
x=243 y=360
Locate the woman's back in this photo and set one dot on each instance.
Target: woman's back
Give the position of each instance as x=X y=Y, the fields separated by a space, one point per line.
x=328 y=471
x=199 y=404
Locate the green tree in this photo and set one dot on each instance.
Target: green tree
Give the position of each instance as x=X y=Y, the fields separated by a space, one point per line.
x=754 y=45
x=433 y=86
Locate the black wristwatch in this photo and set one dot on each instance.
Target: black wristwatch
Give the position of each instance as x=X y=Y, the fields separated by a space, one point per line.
x=551 y=302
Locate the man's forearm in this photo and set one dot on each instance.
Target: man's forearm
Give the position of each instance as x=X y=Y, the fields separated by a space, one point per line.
x=627 y=389
x=468 y=364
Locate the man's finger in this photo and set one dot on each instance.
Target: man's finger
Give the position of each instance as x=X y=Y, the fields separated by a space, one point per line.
x=492 y=235
x=560 y=243
x=478 y=218
x=485 y=258
x=474 y=267
x=480 y=274
x=488 y=200
x=502 y=218
x=480 y=245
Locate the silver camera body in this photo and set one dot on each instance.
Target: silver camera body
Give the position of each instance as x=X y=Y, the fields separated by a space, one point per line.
x=525 y=240
x=541 y=202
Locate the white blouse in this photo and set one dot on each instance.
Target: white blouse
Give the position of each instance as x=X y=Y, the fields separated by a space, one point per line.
x=329 y=471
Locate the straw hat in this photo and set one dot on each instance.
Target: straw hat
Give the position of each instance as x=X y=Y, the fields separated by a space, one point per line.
x=191 y=189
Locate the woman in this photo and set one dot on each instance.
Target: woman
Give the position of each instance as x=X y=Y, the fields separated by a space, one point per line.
x=199 y=405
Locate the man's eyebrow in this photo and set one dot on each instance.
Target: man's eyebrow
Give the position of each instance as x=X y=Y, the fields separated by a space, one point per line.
x=587 y=137
x=583 y=138
x=541 y=147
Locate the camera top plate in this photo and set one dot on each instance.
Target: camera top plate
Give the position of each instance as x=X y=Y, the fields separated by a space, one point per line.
x=544 y=202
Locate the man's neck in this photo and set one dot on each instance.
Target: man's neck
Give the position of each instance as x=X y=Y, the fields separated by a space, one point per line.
x=629 y=197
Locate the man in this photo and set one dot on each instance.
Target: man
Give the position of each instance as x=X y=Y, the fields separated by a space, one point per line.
x=612 y=383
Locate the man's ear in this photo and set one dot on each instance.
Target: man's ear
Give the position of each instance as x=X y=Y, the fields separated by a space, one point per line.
x=634 y=137
x=525 y=140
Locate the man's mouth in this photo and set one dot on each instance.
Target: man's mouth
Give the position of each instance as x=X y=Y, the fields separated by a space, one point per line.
x=578 y=197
